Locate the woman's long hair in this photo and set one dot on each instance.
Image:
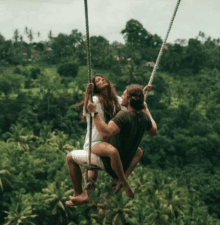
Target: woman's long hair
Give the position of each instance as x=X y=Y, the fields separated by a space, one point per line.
x=109 y=102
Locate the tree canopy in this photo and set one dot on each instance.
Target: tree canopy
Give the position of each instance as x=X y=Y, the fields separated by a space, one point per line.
x=178 y=179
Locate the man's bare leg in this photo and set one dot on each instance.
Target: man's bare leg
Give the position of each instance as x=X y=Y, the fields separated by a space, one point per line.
x=75 y=174
x=107 y=150
x=134 y=163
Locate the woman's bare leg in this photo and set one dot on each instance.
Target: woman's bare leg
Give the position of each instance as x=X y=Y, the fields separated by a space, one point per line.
x=75 y=174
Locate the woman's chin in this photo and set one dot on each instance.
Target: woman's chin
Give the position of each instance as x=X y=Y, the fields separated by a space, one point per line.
x=104 y=86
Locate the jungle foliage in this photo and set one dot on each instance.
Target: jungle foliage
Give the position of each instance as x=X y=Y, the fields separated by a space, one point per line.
x=178 y=179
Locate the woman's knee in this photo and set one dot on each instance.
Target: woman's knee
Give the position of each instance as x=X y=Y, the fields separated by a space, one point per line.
x=104 y=149
x=113 y=151
x=69 y=158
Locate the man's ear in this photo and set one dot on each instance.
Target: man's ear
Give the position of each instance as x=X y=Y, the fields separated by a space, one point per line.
x=129 y=98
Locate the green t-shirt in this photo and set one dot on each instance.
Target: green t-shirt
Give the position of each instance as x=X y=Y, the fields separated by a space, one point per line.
x=132 y=127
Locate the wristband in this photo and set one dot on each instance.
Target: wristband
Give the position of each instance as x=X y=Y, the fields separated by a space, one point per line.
x=95 y=114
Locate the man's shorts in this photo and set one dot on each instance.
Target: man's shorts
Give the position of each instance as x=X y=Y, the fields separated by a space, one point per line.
x=81 y=158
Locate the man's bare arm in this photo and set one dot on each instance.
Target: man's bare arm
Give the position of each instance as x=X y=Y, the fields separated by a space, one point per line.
x=153 y=130
x=107 y=131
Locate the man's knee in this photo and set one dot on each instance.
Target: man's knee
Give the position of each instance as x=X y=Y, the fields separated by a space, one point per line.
x=140 y=153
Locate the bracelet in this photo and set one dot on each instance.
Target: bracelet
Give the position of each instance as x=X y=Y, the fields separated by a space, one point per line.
x=95 y=114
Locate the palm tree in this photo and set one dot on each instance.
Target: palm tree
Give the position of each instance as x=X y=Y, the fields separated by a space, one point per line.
x=114 y=210
x=60 y=141
x=129 y=74
x=50 y=35
x=197 y=208
x=4 y=174
x=77 y=144
x=159 y=181
x=30 y=36
x=156 y=213
x=21 y=39
x=15 y=134
x=19 y=214
x=138 y=214
x=21 y=42
x=20 y=136
x=26 y=30
x=45 y=134
x=202 y=35
x=55 y=196
x=205 y=218
x=16 y=35
x=141 y=179
x=176 y=204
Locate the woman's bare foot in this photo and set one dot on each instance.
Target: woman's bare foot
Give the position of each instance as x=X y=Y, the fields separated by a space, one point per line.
x=127 y=188
x=70 y=203
x=80 y=199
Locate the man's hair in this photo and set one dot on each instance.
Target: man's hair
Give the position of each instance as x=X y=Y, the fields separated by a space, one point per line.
x=136 y=96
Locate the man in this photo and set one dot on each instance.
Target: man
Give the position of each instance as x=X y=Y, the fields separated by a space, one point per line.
x=127 y=128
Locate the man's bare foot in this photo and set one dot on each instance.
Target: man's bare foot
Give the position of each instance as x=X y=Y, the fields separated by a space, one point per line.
x=127 y=188
x=80 y=199
x=129 y=191
x=118 y=187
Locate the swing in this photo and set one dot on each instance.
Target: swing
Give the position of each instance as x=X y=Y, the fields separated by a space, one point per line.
x=87 y=163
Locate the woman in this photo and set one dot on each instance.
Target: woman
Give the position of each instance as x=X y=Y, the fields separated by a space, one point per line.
x=108 y=105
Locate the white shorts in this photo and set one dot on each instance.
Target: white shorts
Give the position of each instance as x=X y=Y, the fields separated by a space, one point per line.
x=81 y=158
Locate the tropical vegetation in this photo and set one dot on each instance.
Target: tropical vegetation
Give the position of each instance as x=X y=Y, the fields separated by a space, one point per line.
x=178 y=179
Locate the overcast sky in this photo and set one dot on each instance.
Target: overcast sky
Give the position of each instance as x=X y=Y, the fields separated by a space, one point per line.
x=108 y=17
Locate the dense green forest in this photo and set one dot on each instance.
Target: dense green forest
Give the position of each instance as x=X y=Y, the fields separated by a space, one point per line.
x=178 y=179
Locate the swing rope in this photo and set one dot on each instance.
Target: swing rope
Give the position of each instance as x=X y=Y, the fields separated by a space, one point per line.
x=90 y=69
x=90 y=80
x=161 y=49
